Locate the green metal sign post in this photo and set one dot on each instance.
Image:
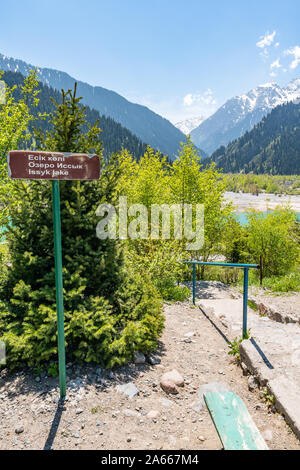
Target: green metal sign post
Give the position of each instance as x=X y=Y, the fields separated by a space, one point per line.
x=55 y=166
x=59 y=288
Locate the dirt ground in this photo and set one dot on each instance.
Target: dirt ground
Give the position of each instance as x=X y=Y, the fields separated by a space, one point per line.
x=286 y=303
x=96 y=415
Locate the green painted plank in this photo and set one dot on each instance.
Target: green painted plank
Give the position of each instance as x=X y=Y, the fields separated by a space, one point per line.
x=233 y=422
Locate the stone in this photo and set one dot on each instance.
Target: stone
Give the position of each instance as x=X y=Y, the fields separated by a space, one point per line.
x=165 y=402
x=139 y=358
x=170 y=381
x=99 y=371
x=79 y=411
x=190 y=334
x=252 y=384
x=267 y=435
x=153 y=360
x=129 y=389
x=19 y=430
x=153 y=414
x=37 y=379
x=169 y=387
x=130 y=413
x=174 y=377
x=245 y=368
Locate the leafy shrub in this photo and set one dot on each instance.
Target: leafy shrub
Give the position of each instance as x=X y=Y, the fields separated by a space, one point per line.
x=290 y=282
x=4 y=259
x=172 y=292
x=272 y=241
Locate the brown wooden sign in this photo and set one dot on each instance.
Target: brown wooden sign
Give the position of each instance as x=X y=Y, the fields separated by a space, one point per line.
x=53 y=165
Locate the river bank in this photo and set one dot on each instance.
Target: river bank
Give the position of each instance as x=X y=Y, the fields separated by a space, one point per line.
x=263 y=202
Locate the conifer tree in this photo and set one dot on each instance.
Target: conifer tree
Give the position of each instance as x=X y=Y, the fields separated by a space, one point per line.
x=110 y=311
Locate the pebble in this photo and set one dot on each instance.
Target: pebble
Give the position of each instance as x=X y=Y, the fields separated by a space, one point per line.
x=129 y=389
x=252 y=384
x=153 y=360
x=245 y=368
x=165 y=402
x=139 y=358
x=267 y=435
x=190 y=334
x=130 y=413
x=153 y=414
x=170 y=380
x=19 y=430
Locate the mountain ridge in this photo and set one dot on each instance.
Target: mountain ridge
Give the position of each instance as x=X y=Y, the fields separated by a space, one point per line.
x=241 y=113
x=113 y=136
x=147 y=125
x=188 y=125
x=272 y=146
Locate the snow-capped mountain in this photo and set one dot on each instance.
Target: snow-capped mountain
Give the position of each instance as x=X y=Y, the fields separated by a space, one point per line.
x=240 y=114
x=189 y=124
x=140 y=120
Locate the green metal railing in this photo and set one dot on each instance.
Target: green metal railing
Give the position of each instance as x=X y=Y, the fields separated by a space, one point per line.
x=245 y=267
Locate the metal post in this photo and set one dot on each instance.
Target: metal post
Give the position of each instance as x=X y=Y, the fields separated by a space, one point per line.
x=194 y=283
x=59 y=287
x=245 y=302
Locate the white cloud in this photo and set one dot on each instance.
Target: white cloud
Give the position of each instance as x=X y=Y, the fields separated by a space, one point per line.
x=276 y=64
x=198 y=98
x=198 y=104
x=277 y=44
x=266 y=40
x=295 y=51
x=188 y=99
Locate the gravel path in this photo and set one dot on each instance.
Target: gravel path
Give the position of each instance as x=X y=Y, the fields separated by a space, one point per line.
x=97 y=415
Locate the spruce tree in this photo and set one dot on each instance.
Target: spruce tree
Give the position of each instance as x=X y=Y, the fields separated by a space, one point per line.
x=110 y=311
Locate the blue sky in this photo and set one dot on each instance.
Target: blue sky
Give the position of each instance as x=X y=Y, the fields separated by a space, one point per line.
x=181 y=58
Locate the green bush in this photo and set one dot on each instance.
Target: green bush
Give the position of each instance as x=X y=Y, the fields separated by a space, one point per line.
x=290 y=282
x=172 y=292
x=272 y=241
x=4 y=260
x=98 y=330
